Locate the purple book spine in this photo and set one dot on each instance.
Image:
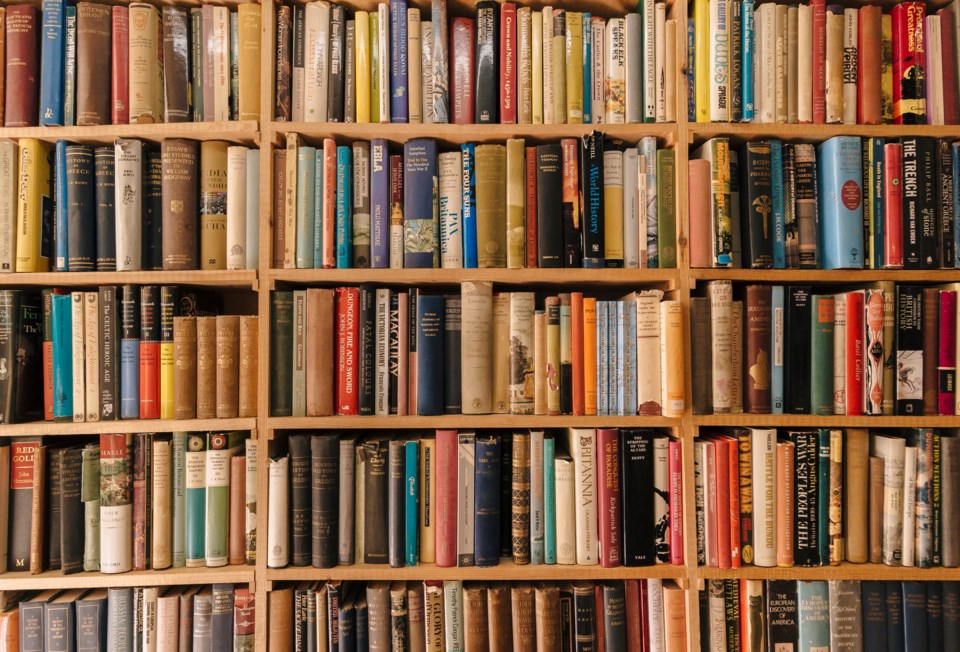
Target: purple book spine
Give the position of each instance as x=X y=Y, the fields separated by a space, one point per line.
x=399 y=109
x=380 y=204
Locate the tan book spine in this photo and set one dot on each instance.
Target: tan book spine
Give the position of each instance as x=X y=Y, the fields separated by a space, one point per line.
x=38 y=510
x=516 y=192
x=499 y=620
x=875 y=523
x=475 y=360
x=670 y=83
x=249 y=366
x=168 y=621
x=540 y=362
x=289 y=214
x=428 y=504
x=672 y=354
x=856 y=495
x=179 y=162
x=548 y=617
x=319 y=354
x=416 y=629
x=280 y=636
x=675 y=617
x=78 y=314
x=279 y=207
x=227 y=367
x=414 y=66
x=145 y=44
x=785 y=507
x=213 y=205
x=185 y=367
x=91 y=326
x=836 y=507
x=248 y=20
x=476 y=634
x=206 y=367
x=433 y=613
x=520 y=487
x=491 y=205
x=501 y=353
x=523 y=600
x=161 y=535
x=236 y=535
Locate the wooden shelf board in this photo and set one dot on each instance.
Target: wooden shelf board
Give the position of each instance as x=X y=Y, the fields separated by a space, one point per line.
x=57 y=580
x=843 y=571
x=844 y=276
x=467 y=421
x=506 y=570
x=125 y=426
x=241 y=279
x=838 y=421
x=239 y=131
x=809 y=132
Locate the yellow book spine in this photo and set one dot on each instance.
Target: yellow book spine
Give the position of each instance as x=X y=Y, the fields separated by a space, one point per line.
x=671 y=358
x=248 y=17
x=574 y=47
x=290 y=203
x=361 y=21
x=536 y=33
x=166 y=380
x=701 y=36
x=428 y=505
x=375 y=55
x=589 y=355
x=559 y=70
x=516 y=191
x=213 y=205
x=34 y=189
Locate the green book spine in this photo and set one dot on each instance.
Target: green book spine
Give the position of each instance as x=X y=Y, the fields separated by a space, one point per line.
x=821 y=355
x=823 y=496
x=220 y=448
x=549 y=501
x=178 y=465
x=196 y=495
x=90 y=497
x=666 y=209
x=281 y=354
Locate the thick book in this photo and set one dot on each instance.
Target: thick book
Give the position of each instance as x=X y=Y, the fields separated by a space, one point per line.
x=487 y=85
x=490 y=205
x=430 y=354
x=919 y=202
x=550 y=240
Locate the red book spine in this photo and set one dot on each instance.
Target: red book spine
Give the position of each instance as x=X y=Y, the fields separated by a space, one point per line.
x=948 y=45
x=329 y=223
x=403 y=359
x=461 y=70
x=644 y=615
x=608 y=453
x=508 y=63
x=947 y=367
x=676 y=500
x=744 y=610
x=854 y=371
x=149 y=380
x=869 y=79
x=570 y=150
x=530 y=207
x=892 y=206
x=244 y=612
x=909 y=106
x=22 y=66
x=576 y=344
x=446 y=532
x=819 y=60
x=48 y=381
x=722 y=462
x=599 y=627
x=120 y=78
x=631 y=590
x=347 y=333
x=733 y=469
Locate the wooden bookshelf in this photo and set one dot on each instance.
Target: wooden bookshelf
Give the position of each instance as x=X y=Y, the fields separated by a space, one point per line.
x=57 y=580
x=245 y=279
x=844 y=571
x=811 y=421
x=125 y=426
x=237 y=131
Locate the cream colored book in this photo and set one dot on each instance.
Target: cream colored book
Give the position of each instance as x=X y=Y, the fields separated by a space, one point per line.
x=670 y=71
x=804 y=64
x=536 y=70
x=793 y=51
x=660 y=61
x=851 y=26
x=290 y=203
x=540 y=368
x=516 y=200
x=840 y=355
x=548 y=77
x=834 y=67
x=780 y=52
x=650 y=382
x=428 y=505
x=615 y=91
x=161 y=534
x=909 y=505
x=426 y=70
x=476 y=363
x=450 y=168
x=278 y=526
x=414 y=68
x=221 y=64
x=148 y=619
x=649 y=56
x=892 y=450
x=145 y=64
x=672 y=358
x=613 y=204
x=316 y=49
x=558 y=67
x=237 y=207
x=525 y=65
x=763 y=442
x=9 y=159
x=78 y=314
x=501 y=353
x=453 y=614
x=721 y=315
x=581 y=443
x=248 y=74
x=128 y=200
x=91 y=327
x=566 y=513
x=934 y=49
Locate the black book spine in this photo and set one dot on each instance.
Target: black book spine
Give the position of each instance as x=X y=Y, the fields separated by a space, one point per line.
x=895 y=617
x=106 y=235
x=109 y=350
x=702 y=353
x=951 y=616
x=909 y=347
x=71 y=511
x=591 y=188
x=394 y=354
x=486 y=521
x=935 y=615
x=335 y=82
x=636 y=496
x=731 y=612
x=506 y=494
x=451 y=355
x=301 y=628
x=872 y=600
x=567 y=634
x=81 y=218
x=486 y=86
x=703 y=603
x=947 y=252
x=915 y=615
x=363 y=623
x=756 y=206
x=151 y=237
x=222 y=617
x=796 y=332
x=367 y=349
x=9 y=334
x=806 y=482
x=348 y=625
x=783 y=622
x=790 y=234
x=29 y=367
x=549 y=205
x=614 y=616
x=92 y=624
x=31 y=626
x=52 y=516
x=396 y=497
x=919 y=206
x=585 y=617
x=281 y=354
x=325 y=462
x=149 y=314
x=571 y=204
x=335 y=596
x=300 y=507
x=376 y=517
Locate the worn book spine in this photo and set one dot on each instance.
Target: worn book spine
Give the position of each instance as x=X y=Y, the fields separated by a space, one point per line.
x=104 y=196
x=185 y=367
x=228 y=366
x=116 y=515
x=213 y=205
x=206 y=386
x=491 y=213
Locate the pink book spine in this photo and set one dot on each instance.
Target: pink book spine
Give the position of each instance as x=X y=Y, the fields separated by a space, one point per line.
x=947 y=367
x=446 y=535
x=699 y=205
x=676 y=502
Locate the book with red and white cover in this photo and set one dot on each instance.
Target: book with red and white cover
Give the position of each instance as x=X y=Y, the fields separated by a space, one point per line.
x=676 y=502
x=508 y=63
x=855 y=357
x=530 y=204
x=348 y=332
x=608 y=496
x=909 y=92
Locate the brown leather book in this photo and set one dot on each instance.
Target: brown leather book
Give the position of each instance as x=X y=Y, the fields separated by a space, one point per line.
x=94 y=23
x=228 y=366
x=184 y=367
x=631 y=589
x=523 y=600
x=176 y=64
x=279 y=198
x=23 y=66
x=674 y=617
x=213 y=204
x=3 y=77
x=521 y=500
x=869 y=60
x=320 y=376
x=186 y=617
x=416 y=629
x=378 y=616
x=476 y=636
x=548 y=617
x=206 y=367
x=757 y=361
x=238 y=510
x=931 y=353
x=876 y=510
x=249 y=365
x=599 y=615
x=499 y=617
x=855 y=489
x=38 y=510
x=179 y=173
x=280 y=637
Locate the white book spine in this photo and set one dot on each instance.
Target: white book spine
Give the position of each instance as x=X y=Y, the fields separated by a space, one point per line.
x=128 y=202
x=382 y=349
x=439 y=71
x=780 y=114
x=78 y=361
x=840 y=355
x=426 y=70
x=537 y=523
x=792 y=59
x=536 y=72
x=834 y=66
x=698 y=500
x=253 y=209
x=649 y=382
x=414 y=67
x=453 y=614
x=717 y=610
x=565 y=485
x=850 y=28
x=710 y=503
x=649 y=61
x=892 y=450
x=804 y=64
x=719 y=60
x=316 y=36
x=764 y=462
x=451 y=201
x=8 y=205
x=598 y=61
x=278 y=552
x=547 y=30
x=766 y=81
x=221 y=63
x=525 y=65
x=934 y=55
x=909 y=504
x=655 y=616
x=149 y=619
x=584 y=457
x=237 y=207
x=161 y=544
x=635 y=67
x=631 y=210
x=475 y=360
x=642 y=201
x=91 y=325
x=660 y=60
x=383 y=35
x=250 y=491
x=615 y=73
x=648 y=152
x=721 y=314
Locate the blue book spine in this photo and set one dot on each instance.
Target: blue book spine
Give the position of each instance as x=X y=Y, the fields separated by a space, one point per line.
x=549 y=501
x=469 y=203
x=628 y=359
x=915 y=617
x=380 y=203
x=840 y=190
x=776 y=346
x=62 y=357
x=412 y=494
x=318 y=210
x=306 y=221
x=611 y=354
x=895 y=620
x=873 y=597
x=603 y=385
x=587 y=68
x=52 y=62
x=814 y=608
x=618 y=334
x=130 y=352
x=878 y=146
x=691 y=68
x=70 y=70
x=951 y=622
x=955 y=156
x=399 y=90
x=421 y=228
x=935 y=622
x=430 y=310
x=486 y=518
x=776 y=197
x=747 y=49
x=61 y=238
x=344 y=205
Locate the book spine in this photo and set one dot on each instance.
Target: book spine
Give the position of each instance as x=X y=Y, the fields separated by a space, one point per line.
x=909 y=102
x=52 y=74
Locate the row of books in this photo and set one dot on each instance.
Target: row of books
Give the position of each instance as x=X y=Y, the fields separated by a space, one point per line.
x=124 y=352
x=822 y=497
x=377 y=351
x=847 y=203
x=590 y=202
x=504 y=64
x=167 y=619
x=775 y=615
x=881 y=350
x=94 y=64
x=130 y=206
x=454 y=615
x=129 y=502
x=468 y=499
x=813 y=63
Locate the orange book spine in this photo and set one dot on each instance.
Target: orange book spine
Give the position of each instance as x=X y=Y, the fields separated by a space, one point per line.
x=589 y=355
x=868 y=61
x=785 y=510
